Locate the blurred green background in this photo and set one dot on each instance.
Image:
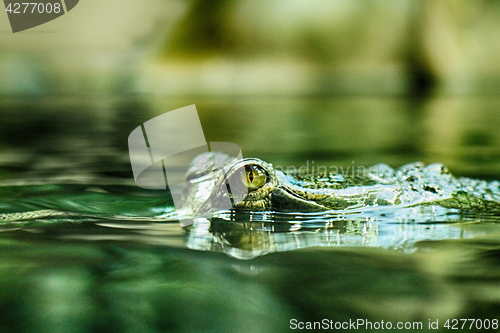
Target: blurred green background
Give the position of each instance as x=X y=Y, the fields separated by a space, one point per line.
x=345 y=81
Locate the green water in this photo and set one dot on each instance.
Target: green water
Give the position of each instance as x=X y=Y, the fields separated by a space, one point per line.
x=107 y=260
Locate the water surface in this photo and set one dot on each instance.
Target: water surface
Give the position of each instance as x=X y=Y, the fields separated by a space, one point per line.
x=105 y=256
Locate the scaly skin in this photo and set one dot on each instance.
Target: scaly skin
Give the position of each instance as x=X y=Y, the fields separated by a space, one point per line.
x=409 y=186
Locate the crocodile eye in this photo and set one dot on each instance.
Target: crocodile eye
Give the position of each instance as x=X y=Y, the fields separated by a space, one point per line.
x=254 y=177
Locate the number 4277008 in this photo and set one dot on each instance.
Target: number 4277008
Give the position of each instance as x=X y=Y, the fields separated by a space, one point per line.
x=33 y=7
x=460 y=324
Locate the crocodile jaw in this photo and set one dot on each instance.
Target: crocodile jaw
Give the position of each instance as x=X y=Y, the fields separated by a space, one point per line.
x=285 y=200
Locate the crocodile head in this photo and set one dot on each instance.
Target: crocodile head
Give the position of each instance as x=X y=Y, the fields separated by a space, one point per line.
x=254 y=185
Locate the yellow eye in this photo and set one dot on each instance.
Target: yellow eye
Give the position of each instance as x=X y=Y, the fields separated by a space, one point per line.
x=254 y=177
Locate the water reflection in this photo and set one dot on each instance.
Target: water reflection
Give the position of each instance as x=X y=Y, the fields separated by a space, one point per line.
x=127 y=214
x=246 y=236
x=250 y=235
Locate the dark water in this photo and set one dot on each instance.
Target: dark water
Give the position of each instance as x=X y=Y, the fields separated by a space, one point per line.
x=104 y=257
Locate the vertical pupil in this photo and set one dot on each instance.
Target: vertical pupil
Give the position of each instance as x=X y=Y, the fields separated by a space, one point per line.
x=250 y=175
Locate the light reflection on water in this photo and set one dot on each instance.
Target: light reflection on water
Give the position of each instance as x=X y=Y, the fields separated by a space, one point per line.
x=245 y=238
x=339 y=267
x=91 y=213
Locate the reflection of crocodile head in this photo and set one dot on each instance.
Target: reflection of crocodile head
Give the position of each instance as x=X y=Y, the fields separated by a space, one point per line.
x=247 y=240
x=254 y=185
